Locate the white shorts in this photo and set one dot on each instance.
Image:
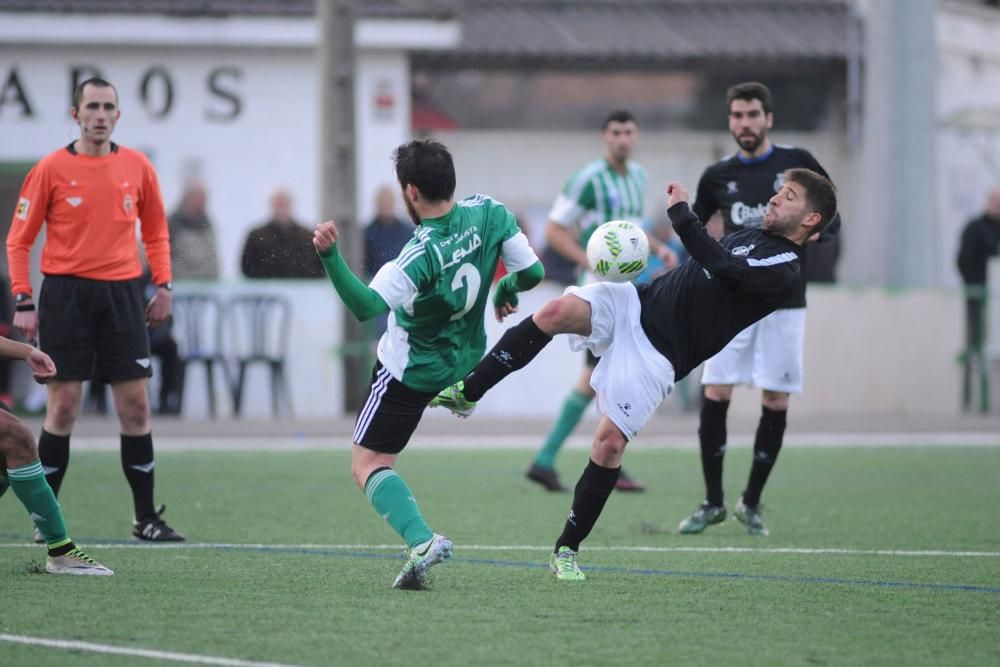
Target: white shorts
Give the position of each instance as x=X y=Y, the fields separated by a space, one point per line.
x=631 y=378
x=767 y=354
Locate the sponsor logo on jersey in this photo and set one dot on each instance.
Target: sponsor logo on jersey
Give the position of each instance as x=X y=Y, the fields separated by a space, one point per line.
x=127 y=203
x=743 y=250
x=744 y=215
x=458 y=238
x=23 y=204
x=74 y=201
x=458 y=254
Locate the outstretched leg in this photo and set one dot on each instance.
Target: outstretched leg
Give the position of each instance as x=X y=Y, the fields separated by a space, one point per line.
x=27 y=481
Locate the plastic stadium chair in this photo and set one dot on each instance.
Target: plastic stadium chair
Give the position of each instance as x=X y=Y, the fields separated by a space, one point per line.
x=259 y=332
x=198 y=321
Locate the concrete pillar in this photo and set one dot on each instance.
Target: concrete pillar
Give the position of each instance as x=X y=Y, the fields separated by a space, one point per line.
x=892 y=241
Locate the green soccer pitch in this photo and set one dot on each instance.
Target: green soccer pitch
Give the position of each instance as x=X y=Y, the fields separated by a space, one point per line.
x=885 y=555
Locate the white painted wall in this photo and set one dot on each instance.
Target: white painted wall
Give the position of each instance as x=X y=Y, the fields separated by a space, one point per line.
x=382 y=106
x=869 y=351
x=272 y=142
x=968 y=82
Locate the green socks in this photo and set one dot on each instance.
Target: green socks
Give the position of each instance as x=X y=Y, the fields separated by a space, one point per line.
x=572 y=411
x=394 y=502
x=29 y=485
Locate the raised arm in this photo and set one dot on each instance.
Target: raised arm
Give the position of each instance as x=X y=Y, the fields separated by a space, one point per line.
x=363 y=302
x=748 y=275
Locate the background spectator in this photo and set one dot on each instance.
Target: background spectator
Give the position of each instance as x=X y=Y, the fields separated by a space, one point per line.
x=386 y=234
x=281 y=247
x=194 y=252
x=980 y=241
x=385 y=237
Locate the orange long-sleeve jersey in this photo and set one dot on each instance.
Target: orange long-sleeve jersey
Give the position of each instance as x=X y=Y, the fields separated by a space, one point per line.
x=89 y=206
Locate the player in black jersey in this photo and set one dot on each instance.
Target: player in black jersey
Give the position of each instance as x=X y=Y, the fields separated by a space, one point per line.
x=650 y=336
x=767 y=354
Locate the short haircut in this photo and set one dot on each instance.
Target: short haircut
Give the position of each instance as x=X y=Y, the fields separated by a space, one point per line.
x=821 y=195
x=618 y=116
x=426 y=165
x=749 y=91
x=92 y=81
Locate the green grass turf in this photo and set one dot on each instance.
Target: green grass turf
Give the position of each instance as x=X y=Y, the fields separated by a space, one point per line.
x=320 y=606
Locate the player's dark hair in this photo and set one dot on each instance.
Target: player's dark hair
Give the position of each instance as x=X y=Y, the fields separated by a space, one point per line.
x=618 y=116
x=748 y=92
x=821 y=195
x=92 y=81
x=426 y=165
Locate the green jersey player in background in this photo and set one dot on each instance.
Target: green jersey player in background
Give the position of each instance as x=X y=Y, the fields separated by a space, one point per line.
x=610 y=188
x=436 y=293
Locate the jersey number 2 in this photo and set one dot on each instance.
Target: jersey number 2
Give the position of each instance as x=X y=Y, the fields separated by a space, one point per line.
x=467 y=274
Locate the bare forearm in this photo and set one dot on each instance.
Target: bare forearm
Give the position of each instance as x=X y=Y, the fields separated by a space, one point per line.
x=12 y=349
x=563 y=242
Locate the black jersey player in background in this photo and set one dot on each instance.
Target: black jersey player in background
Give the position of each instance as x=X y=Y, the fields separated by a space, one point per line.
x=650 y=336
x=767 y=354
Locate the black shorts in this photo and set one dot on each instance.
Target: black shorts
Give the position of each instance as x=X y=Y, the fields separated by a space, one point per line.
x=94 y=328
x=390 y=414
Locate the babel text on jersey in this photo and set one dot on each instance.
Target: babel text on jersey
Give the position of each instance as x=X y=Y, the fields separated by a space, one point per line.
x=745 y=215
x=460 y=253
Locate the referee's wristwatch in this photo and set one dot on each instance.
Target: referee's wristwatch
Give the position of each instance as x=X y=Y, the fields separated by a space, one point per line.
x=23 y=302
x=169 y=286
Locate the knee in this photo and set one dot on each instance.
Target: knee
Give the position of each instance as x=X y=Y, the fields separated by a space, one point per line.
x=775 y=400
x=609 y=446
x=718 y=392
x=17 y=444
x=133 y=412
x=359 y=473
x=554 y=316
x=63 y=410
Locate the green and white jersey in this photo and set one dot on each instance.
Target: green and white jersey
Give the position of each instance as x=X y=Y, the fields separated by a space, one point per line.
x=597 y=193
x=438 y=288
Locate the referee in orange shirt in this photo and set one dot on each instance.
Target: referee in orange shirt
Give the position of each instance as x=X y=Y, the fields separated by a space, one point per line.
x=90 y=316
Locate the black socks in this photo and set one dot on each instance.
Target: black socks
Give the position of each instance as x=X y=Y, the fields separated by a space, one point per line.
x=53 y=450
x=518 y=346
x=137 y=463
x=591 y=493
x=712 y=438
x=766 y=445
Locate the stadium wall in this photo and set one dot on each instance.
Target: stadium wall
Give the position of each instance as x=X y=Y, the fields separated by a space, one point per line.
x=869 y=351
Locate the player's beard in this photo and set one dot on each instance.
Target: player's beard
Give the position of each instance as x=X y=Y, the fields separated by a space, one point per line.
x=782 y=225
x=750 y=142
x=410 y=210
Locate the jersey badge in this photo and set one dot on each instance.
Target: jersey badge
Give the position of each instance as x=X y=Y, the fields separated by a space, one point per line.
x=732 y=187
x=23 y=204
x=127 y=202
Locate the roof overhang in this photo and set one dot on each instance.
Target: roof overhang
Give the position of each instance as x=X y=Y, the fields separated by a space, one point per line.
x=410 y=34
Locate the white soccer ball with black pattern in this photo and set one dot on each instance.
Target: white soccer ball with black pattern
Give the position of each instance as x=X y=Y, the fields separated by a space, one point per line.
x=618 y=251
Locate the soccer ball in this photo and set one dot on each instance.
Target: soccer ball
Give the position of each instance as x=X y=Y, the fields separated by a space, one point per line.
x=618 y=251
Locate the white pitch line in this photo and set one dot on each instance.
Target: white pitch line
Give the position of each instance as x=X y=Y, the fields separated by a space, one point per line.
x=821 y=551
x=487 y=442
x=135 y=652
